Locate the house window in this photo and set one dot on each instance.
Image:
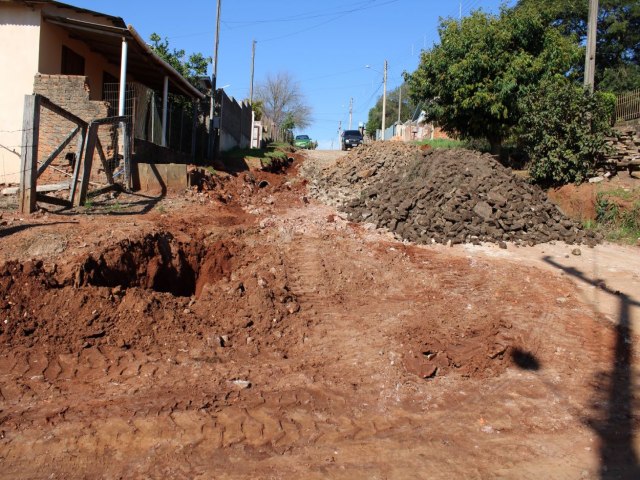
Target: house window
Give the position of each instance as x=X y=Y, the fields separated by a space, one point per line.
x=72 y=63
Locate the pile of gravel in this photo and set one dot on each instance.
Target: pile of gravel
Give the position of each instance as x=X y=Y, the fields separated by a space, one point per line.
x=344 y=180
x=457 y=196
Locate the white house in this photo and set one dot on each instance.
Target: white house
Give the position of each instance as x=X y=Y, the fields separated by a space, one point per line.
x=69 y=54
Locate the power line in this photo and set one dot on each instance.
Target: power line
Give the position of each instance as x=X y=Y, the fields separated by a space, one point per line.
x=231 y=25
x=306 y=16
x=334 y=18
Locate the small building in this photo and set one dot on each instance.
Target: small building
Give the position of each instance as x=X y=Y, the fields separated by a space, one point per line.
x=75 y=57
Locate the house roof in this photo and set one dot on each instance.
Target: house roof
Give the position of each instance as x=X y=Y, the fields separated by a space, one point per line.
x=117 y=21
x=143 y=63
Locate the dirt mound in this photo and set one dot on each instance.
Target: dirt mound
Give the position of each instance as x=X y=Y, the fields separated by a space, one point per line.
x=462 y=196
x=358 y=170
x=576 y=201
x=147 y=293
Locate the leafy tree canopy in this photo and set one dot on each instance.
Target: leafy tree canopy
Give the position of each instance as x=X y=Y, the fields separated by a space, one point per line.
x=191 y=67
x=471 y=82
x=618 y=42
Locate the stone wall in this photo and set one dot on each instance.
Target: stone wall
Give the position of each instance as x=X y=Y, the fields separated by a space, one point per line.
x=626 y=145
x=70 y=92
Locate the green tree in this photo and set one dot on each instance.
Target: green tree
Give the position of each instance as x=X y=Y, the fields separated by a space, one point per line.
x=374 y=121
x=564 y=130
x=471 y=82
x=191 y=67
x=618 y=41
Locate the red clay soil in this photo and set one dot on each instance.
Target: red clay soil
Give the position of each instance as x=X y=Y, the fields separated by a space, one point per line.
x=576 y=201
x=257 y=334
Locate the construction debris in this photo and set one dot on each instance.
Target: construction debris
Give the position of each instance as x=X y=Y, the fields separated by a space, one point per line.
x=445 y=196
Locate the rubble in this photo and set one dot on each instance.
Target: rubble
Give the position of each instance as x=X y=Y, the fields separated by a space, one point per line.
x=457 y=196
x=359 y=169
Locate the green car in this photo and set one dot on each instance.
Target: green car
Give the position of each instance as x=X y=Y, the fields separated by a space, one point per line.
x=303 y=141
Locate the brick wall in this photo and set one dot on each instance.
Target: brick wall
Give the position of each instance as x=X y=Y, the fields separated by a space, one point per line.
x=70 y=92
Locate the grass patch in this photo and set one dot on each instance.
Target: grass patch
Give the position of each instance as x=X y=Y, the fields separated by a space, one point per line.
x=618 y=215
x=273 y=151
x=276 y=154
x=443 y=143
x=241 y=153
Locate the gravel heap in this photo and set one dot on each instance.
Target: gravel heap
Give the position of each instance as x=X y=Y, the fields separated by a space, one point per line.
x=344 y=180
x=460 y=196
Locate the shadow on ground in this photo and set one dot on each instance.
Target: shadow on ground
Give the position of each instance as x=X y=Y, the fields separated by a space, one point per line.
x=5 y=232
x=613 y=418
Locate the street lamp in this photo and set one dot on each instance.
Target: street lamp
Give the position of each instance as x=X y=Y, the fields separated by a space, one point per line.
x=384 y=96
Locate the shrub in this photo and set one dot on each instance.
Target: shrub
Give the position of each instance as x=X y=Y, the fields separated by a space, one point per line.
x=563 y=130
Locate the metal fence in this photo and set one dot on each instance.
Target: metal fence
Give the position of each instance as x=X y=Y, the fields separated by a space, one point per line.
x=628 y=106
x=143 y=107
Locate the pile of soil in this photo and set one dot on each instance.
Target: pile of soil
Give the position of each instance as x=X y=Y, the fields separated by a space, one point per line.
x=457 y=196
x=156 y=290
x=359 y=169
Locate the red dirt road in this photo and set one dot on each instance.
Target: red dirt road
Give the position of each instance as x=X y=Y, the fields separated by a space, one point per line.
x=266 y=337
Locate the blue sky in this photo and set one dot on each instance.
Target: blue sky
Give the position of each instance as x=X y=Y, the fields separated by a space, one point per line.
x=323 y=45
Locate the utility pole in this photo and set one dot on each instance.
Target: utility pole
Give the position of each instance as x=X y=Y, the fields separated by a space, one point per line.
x=214 y=78
x=590 y=60
x=399 y=105
x=253 y=63
x=350 y=112
x=384 y=99
x=340 y=133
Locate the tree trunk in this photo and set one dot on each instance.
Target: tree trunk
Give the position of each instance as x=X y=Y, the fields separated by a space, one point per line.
x=496 y=145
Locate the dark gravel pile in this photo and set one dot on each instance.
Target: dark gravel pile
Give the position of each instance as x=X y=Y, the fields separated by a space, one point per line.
x=343 y=181
x=460 y=196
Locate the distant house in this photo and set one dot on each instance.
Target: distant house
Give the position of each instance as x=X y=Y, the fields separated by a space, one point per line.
x=75 y=57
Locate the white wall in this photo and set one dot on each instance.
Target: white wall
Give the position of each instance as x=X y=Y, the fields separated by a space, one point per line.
x=19 y=38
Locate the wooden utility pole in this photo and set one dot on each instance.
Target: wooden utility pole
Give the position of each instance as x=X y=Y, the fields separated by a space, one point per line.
x=350 y=112
x=214 y=78
x=253 y=64
x=590 y=60
x=384 y=99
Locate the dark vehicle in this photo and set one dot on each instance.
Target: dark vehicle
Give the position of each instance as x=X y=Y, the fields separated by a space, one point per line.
x=351 y=138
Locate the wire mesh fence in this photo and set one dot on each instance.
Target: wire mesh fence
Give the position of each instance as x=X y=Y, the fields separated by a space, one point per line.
x=185 y=132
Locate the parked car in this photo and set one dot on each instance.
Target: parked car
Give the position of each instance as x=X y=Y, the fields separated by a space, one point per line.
x=302 y=141
x=351 y=138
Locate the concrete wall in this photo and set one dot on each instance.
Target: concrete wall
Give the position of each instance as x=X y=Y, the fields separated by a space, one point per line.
x=235 y=125
x=19 y=40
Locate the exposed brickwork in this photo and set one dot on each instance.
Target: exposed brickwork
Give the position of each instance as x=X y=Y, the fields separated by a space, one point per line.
x=70 y=92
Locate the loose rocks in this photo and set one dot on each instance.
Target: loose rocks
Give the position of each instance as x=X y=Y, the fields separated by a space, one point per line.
x=457 y=196
x=359 y=169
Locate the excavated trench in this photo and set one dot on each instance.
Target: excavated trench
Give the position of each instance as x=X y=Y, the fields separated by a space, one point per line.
x=157 y=262
x=158 y=289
